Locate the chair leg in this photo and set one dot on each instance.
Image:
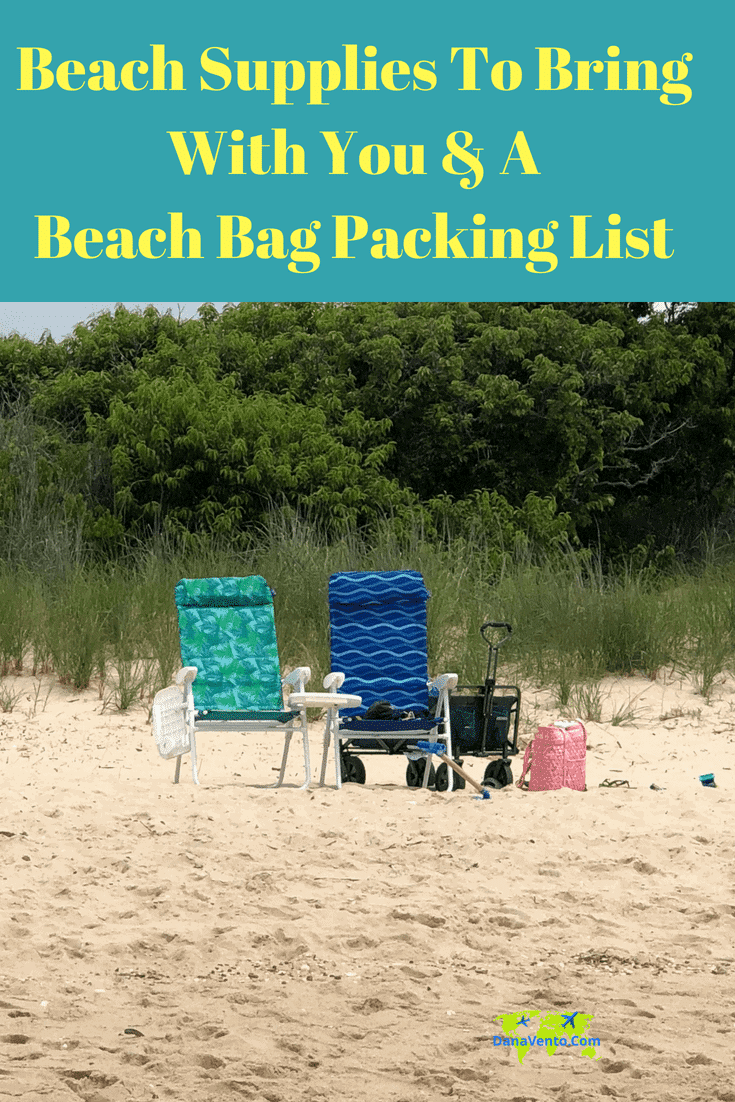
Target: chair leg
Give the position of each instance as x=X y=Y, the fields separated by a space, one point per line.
x=450 y=751
x=330 y=733
x=178 y=769
x=194 y=773
x=325 y=747
x=337 y=754
x=445 y=730
x=284 y=759
x=281 y=773
x=307 y=759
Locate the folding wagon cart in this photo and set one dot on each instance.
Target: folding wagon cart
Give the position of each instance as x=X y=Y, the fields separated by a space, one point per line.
x=484 y=718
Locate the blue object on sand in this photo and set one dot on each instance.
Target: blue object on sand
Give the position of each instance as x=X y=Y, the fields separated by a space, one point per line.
x=432 y=747
x=440 y=749
x=708 y=780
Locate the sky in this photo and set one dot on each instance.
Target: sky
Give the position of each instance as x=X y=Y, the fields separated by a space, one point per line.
x=32 y=319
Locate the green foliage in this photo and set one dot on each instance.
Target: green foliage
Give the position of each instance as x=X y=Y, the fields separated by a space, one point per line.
x=634 y=631
x=604 y=424
x=709 y=611
x=75 y=627
x=116 y=625
x=25 y=364
x=486 y=515
x=16 y=601
x=194 y=454
x=51 y=494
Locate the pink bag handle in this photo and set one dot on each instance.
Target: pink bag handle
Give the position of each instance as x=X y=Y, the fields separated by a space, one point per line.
x=526 y=764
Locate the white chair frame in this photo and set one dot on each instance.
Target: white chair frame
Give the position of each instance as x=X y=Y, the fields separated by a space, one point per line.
x=332 y=732
x=175 y=726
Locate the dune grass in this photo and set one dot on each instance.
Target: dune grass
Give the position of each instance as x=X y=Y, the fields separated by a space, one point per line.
x=114 y=624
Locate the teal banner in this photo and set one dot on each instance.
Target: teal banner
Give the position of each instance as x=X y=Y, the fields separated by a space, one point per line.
x=387 y=151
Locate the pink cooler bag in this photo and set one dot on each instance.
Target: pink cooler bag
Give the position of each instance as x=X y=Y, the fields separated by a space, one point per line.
x=556 y=758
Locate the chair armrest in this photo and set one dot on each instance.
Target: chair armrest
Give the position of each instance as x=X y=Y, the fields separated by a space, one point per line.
x=184 y=679
x=324 y=700
x=298 y=678
x=444 y=681
x=333 y=681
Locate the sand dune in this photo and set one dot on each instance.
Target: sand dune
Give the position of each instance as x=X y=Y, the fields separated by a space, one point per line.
x=232 y=942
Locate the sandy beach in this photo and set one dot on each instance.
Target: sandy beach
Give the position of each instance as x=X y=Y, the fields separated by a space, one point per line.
x=228 y=942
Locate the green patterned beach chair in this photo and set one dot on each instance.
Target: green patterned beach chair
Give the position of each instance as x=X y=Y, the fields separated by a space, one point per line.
x=230 y=678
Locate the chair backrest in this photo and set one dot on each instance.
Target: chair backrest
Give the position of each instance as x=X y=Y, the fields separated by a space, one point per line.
x=227 y=631
x=378 y=635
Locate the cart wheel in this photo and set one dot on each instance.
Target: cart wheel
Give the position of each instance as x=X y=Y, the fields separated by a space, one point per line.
x=442 y=778
x=498 y=774
x=415 y=774
x=353 y=769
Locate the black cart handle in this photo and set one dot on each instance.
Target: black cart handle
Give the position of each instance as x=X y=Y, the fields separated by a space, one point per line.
x=497 y=624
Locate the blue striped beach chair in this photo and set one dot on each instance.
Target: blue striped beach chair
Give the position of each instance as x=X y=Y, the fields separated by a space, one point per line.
x=379 y=648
